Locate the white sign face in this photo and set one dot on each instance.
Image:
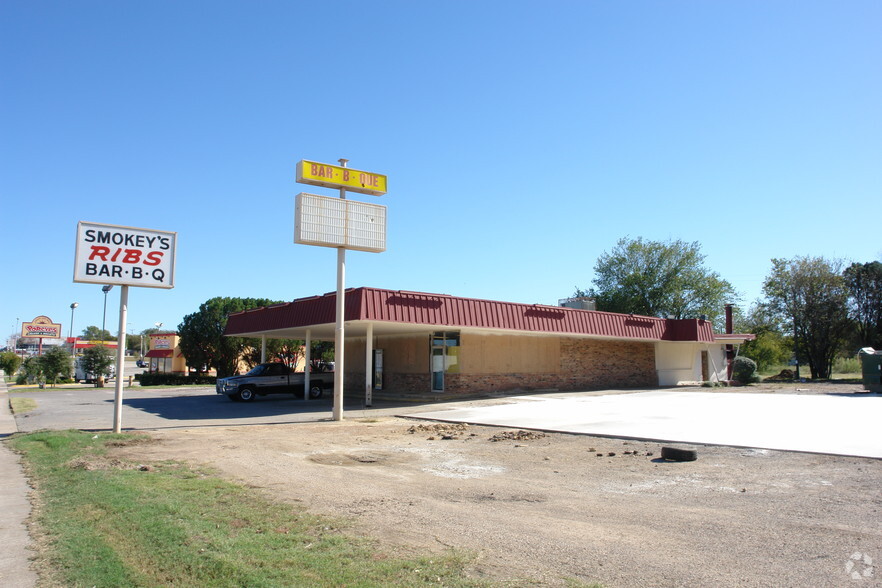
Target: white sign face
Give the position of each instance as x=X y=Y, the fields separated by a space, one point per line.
x=334 y=222
x=125 y=256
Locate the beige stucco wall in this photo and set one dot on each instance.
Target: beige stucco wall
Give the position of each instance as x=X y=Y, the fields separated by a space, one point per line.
x=501 y=354
x=490 y=362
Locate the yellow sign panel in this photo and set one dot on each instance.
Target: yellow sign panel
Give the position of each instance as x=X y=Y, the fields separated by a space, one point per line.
x=335 y=176
x=42 y=326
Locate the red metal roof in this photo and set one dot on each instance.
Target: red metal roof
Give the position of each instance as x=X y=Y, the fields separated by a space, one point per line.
x=443 y=311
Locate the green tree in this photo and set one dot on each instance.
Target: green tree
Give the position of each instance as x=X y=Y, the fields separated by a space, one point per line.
x=864 y=284
x=32 y=369
x=202 y=335
x=97 y=360
x=808 y=297
x=93 y=333
x=653 y=278
x=55 y=363
x=772 y=346
x=287 y=351
x=322 y=355
x=9 y=362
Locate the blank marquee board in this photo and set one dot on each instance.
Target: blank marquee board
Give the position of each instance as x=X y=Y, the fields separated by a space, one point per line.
x=334 y=222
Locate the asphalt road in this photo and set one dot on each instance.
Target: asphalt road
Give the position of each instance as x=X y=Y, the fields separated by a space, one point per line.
x=91 y=408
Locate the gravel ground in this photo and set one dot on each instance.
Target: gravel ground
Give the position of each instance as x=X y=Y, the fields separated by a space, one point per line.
x=546 y=509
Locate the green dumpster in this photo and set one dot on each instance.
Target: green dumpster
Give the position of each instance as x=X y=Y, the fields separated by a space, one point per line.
x=871 y=369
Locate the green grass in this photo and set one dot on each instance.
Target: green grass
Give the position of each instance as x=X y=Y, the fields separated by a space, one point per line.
x=107 y=523
x=843 y=369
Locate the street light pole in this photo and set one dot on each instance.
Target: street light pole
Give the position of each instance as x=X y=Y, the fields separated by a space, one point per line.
x=105 y=289
x=73 y=342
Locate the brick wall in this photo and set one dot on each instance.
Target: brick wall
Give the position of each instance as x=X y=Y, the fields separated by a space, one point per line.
x=583 y=364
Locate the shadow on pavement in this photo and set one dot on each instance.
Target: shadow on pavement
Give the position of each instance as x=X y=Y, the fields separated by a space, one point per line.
x=186 y=408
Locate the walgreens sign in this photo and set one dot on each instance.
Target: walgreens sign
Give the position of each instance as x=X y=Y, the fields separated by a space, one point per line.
x=125 y=256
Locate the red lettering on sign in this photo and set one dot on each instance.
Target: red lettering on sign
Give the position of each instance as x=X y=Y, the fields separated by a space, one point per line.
x=153 y=258
x=369 y=180
x=132 y=256
x=99 y=252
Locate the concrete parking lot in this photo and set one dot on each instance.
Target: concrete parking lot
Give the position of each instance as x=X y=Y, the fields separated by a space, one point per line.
x=533 y=508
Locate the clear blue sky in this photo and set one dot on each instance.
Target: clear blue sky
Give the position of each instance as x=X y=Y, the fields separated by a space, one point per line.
x=521 y=140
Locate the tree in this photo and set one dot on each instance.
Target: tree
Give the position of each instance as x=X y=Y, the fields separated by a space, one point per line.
x=322 y=355
x=9 y=362
x=97 y=360
x=93 y=333
x=864 y=284
x=772 y=346
x=32 y=369
x=808 y=296
x=202 y=335
x=287 y=351
x=55 y=363
x=664 y=279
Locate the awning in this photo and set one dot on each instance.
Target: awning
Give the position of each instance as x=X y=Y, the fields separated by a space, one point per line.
x=160 y=353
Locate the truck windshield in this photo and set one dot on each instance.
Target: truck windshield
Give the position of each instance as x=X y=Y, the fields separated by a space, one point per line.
x=257 y=371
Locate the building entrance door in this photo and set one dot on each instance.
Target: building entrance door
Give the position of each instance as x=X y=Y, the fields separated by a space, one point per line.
x=445 y=357
x=437 y=369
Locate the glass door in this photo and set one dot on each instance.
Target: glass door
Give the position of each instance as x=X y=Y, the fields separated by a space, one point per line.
x=437 y=369
x=445 y=357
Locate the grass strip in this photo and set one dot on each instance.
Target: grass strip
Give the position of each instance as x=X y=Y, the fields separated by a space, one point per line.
x=22 y=405
x=109 y=523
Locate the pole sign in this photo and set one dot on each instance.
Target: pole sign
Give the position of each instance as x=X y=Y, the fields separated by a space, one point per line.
x=333 y=222
x=125 y=256
x=41 y=327
x=335 y=176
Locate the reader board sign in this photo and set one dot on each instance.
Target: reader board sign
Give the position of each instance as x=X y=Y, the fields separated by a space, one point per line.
x=335 y=176
x=125 y=256
x=335 y=222
x=42 y=327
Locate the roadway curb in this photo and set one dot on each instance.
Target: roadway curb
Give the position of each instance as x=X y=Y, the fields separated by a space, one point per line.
x=15 y=507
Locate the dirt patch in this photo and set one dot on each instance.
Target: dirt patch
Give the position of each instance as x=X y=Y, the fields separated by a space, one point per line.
x=517 y=436
x=548 y=508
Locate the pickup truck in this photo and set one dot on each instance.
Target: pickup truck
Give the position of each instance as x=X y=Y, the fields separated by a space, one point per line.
x=272 y=378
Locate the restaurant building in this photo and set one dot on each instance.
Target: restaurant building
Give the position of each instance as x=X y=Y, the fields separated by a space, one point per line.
x=417 y=343
x=164 y=355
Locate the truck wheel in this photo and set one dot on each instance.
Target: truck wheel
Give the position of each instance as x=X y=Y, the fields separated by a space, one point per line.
x=246 y=394
x=315 y=391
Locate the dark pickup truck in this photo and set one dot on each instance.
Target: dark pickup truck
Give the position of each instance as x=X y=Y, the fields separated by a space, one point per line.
x=273 y=378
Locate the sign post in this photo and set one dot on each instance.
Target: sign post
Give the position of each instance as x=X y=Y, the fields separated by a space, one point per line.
x=124 y=256
x=342 y=225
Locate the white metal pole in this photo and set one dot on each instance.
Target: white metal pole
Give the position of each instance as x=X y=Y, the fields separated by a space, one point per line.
x=120 y=359
x=263 y=349
x=368 y=365
x=308 y=362
x=339 y=334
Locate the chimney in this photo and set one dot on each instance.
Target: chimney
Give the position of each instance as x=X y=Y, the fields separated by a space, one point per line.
x=730 y=349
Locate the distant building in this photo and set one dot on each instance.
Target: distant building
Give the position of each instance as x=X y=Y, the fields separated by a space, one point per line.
x=164 y=354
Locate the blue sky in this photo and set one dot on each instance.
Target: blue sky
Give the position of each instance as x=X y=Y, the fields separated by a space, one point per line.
x=520 y=140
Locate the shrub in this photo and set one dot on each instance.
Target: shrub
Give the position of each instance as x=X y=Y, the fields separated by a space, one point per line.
x=160 y=379
x=744 y=370
x=847 y=365
x=97 y=361
x=9 y=362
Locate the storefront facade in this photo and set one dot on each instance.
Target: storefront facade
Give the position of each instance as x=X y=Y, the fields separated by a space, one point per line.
x=419 y=343
x=164 y=355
